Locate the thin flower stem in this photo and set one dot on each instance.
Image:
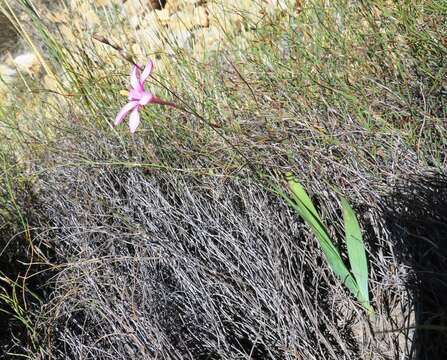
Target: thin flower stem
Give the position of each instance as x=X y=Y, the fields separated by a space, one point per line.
x=186 y=108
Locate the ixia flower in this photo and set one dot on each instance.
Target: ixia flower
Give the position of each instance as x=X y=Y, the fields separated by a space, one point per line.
x=138 y=97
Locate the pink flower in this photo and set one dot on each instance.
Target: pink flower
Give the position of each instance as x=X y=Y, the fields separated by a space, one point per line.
x=138 y=97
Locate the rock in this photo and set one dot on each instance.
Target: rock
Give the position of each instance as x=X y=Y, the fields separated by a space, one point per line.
x=7 y=74
x=163 y=15
x=28 y=62
x=226 y=16
x=157 y=4
x=86 y=10
x=207 y=40
x=151 y=38
x=187 y=20
x=138 y=51
x=50 y=83
x=67 y=34
x=58 y=17
x=137 y=10
x=157 y=39
x=199 y=26
x=157 y=19
x=105 y=2
x=176 y=5
x=178 y=39
x=243 y=40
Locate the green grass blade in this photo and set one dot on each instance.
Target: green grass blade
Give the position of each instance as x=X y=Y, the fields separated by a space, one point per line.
x=300 y=195
x=305 y=208
x=356 y=252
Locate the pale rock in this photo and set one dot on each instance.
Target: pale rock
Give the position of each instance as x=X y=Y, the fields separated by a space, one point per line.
x=91 y=18
x=151 y=38
x=24 y=18
x=187 y=20
x=160 y=66
x=134 y=22
x=138 y=7
x=155 y=19
x=164 y=32
x=83 y=10
x=132 y=9
x=88 y=13
x=227 y=17
x=50 y=83
x=140 y=14
x=7 y=71
x=207 y=40
x=7 y=74
x=148 y=21
x=28 y=62
x=102 y=2
x=164 y=40
x=162 y=16
x=57 y=17
x=9 y=61
x=106 y=2
x=176 y=5
x=4 y=94
x=278 y=5
x=67 y=34
x=138 y=51
x=241 y=7
x=75 y=3
x=177 y=39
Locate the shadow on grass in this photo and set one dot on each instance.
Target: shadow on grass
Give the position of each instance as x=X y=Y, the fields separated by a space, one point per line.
x=22 y=284
x=12 y=256
x=417 y=218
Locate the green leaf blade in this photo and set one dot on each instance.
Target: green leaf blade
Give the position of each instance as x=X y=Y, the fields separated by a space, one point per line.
x=356 y=252
x=304 y=207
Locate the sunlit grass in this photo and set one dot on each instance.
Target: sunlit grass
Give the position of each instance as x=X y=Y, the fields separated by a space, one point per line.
x=323 y=68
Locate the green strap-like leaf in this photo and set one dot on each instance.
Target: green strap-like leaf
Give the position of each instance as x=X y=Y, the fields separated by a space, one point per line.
x=356 y=252
x=305 y=208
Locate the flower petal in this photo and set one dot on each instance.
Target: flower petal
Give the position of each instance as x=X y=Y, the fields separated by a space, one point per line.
x=134 y=120
x=135 y=94
x=147 y=71
x=146 y=98
x=134 y=78
x=124 y=111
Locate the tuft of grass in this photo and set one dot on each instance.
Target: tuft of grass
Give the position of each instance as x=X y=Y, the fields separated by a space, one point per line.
x=324 y=79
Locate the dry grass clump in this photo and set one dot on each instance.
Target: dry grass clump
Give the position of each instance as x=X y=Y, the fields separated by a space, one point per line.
x=165 y=265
